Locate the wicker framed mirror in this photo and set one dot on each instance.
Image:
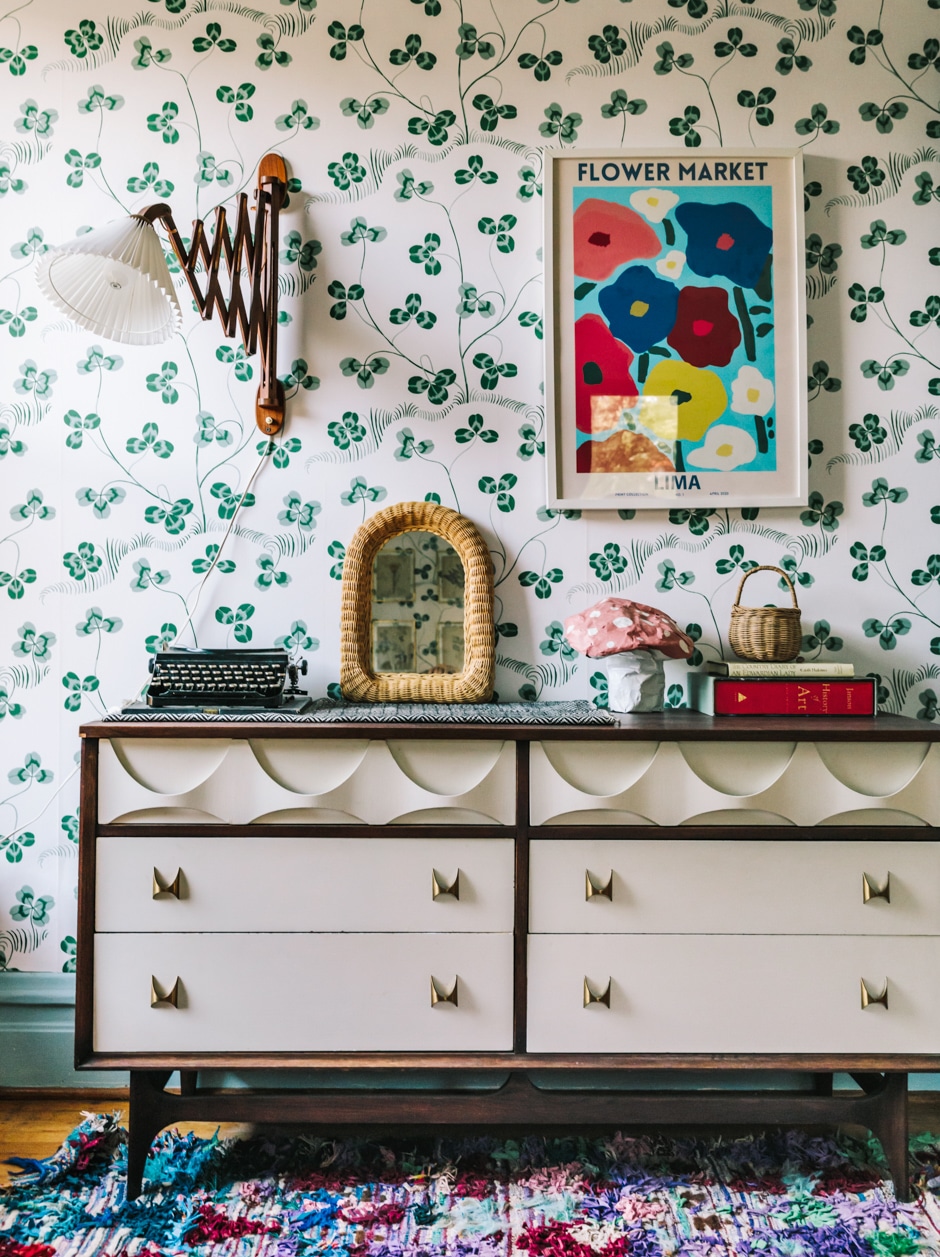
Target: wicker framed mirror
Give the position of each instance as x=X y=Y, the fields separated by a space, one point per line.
x=417 y=610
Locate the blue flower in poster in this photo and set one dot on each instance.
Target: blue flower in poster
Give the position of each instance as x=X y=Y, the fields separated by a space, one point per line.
x=726 y=239
x=640 y=308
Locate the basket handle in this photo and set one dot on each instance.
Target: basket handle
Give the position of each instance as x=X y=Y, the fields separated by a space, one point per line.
x=766 y=567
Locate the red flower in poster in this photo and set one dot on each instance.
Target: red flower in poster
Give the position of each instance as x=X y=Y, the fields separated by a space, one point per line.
x=705 y=333
x=606 y=235
x=602 y=368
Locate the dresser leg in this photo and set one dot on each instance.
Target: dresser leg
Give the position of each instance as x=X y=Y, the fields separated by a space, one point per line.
x=888 y=1123
x=188 y=1082
x=144 y=1121
x=894 y=1133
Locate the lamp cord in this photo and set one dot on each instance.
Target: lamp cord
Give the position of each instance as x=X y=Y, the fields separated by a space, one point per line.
x=268 y=451
x=63 y=783
x=49 y=802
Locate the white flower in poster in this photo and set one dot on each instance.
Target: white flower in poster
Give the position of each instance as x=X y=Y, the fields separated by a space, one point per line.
x=672 y=264
x=751 y=393
x=725 y=448
x=653 y=203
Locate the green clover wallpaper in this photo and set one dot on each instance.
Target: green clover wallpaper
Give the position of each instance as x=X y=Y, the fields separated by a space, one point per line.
x=411 y=344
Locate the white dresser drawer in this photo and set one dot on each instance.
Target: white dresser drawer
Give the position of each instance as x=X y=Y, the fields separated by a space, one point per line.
x=711 y=886
x=718 y=993
x=308 y=780
x=304 y=884
x=297 y=993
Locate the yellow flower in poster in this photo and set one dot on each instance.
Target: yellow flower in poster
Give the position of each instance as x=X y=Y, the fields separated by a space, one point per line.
x=692 y=398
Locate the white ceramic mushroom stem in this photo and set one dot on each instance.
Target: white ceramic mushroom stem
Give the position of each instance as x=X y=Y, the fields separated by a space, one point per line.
x=635 y=681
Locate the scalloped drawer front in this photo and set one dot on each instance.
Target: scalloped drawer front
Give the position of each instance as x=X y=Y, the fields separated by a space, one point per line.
x=242 y=782
x=725 y=887
x=800 y=783
x=681 y=993
x=304 y=884
x=302 y=992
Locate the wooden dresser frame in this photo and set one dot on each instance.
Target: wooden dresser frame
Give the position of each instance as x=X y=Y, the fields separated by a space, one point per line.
x=514 y=1102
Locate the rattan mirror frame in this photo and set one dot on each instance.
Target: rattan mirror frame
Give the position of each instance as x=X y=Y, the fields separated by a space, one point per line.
x=357 y=679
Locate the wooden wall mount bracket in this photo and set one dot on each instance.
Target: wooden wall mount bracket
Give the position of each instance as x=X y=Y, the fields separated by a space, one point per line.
x=251 y=261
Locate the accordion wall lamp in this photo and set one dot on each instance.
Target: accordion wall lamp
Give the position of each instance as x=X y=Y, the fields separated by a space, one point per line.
x=114 y=281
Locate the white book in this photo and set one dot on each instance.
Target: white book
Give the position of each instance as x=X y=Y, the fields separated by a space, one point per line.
x=817 y=668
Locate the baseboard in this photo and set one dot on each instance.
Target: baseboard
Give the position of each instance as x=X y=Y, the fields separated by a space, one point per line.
x=37 y=1026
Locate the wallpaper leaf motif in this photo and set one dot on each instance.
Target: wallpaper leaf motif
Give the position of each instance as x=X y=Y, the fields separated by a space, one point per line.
x=413 y=132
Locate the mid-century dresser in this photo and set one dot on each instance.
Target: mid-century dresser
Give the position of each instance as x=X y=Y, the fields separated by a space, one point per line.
x=516 y=925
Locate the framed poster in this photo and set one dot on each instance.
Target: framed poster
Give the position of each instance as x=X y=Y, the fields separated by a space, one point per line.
x=675 y=338
x=450 y=577
x=450 y=645
x=393 y=645
x=394 y=575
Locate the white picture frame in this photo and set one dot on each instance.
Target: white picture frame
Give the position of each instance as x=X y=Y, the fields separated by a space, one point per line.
x=394 y=645
x=670 y=382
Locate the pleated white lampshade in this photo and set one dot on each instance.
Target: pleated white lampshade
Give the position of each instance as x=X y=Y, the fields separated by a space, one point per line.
x=115 y=282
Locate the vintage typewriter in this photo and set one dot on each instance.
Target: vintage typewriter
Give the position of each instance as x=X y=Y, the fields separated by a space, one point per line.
x=217 y=680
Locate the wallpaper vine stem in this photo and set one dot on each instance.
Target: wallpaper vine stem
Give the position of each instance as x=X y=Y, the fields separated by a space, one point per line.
x=411 y=298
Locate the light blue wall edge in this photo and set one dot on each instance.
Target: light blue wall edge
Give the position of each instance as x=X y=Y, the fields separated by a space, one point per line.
x=37 y=1012
x=37 y=1024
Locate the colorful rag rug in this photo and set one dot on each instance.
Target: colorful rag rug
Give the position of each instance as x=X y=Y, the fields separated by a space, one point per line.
x=771 y=1195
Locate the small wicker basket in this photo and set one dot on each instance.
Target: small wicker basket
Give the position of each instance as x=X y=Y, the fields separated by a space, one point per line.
x=765 y=634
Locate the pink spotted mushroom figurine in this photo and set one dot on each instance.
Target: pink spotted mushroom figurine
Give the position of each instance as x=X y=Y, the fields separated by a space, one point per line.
x=634 y=639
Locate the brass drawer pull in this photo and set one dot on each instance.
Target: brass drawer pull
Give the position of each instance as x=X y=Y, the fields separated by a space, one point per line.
x=441 y=886
x=596 y=997
x=441 y=996
x=868 y=998
x=160 y=887
x=160 y=998
x=871 y=891
x=594 y=888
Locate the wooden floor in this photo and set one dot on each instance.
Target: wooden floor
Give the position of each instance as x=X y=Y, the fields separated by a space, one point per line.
x=36 y=1125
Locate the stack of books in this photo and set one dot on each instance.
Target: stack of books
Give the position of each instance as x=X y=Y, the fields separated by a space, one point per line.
x=781 y=689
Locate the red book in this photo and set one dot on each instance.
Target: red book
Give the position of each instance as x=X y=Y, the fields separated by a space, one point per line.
x=810 y=696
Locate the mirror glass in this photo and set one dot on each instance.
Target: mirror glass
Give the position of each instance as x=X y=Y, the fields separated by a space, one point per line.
x=418 y=606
